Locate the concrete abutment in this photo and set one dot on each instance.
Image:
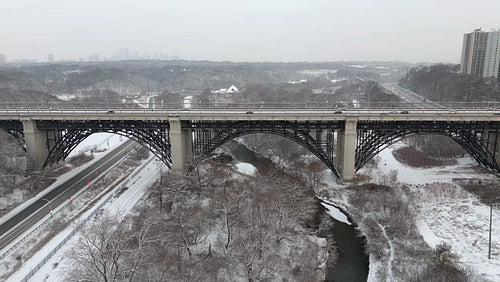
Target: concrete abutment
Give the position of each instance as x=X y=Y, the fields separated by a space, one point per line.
x=181 y=142
x=37 y=150
x=346 y=149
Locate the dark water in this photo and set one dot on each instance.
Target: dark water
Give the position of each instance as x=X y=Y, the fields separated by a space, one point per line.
x=243 y=154
x=352 y=262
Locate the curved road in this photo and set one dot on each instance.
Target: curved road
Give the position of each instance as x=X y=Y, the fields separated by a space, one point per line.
x=23 y=220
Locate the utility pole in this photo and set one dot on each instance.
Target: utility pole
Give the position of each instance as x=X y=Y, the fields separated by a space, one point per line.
x=489 y=241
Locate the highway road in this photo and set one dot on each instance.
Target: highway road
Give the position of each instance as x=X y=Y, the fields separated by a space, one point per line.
x=411 y=97
x=23 y=220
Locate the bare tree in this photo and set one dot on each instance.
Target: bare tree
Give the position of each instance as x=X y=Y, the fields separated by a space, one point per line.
x=228 y=200
x=139 y=249
x=313 y=173
x=101 y=247
x=194 y=173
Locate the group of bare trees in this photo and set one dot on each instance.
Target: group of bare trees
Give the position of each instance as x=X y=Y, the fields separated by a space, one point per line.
x=391 y=220
x=220 y=227
x=444 y=83
x=12 y=171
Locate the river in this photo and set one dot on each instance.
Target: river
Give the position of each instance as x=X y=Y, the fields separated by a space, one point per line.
x=352 y=263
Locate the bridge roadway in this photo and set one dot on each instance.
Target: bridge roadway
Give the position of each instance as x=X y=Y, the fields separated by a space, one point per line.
x=318 y=114
x=23 y=220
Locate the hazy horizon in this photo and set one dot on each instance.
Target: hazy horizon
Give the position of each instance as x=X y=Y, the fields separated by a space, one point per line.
x=244 y=31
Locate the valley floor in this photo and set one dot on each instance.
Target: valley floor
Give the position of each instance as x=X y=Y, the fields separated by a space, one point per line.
x=445 y=212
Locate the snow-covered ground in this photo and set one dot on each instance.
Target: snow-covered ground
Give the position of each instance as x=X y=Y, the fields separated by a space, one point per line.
x=65 y=97
x=53 y=269
x=357 y=66
x=464 y=168
x=98 y=142
x=446 y=212
x=318 y=72
x=246 y=168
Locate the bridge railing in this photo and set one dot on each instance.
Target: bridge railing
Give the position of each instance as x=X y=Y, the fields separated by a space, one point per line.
x=145 y=107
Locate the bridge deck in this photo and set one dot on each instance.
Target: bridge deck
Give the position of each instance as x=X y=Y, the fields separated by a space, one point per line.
x=259 y=114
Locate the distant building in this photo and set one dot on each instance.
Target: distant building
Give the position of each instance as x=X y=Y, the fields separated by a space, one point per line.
x=231 y=89
x=481 y=54
x=223 y=95
x=51 y=58
x=93 y=58
x=3 y=60
x=123 y=54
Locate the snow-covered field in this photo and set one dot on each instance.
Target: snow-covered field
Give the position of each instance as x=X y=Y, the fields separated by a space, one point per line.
x=318 y=72
x=465 y=168
x=446 y=212
x=98 y=142
x=65 y=97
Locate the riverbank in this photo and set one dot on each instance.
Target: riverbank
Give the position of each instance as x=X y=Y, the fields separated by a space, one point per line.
x=352 y=262
x=423 y=209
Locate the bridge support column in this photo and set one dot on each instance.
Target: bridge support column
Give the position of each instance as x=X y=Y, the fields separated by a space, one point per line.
x=346 y=149
x=339 y=150
x=36 y=145
x=181 y=141
x=494 y=145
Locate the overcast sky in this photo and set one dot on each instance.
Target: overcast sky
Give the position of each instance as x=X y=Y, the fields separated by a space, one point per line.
x=245 y=30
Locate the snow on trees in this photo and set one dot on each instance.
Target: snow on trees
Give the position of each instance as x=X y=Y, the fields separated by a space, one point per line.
x=236 y=227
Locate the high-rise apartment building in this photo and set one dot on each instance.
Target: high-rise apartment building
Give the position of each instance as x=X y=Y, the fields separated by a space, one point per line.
x=481 y=54
x=3 y=60
x=492 y=55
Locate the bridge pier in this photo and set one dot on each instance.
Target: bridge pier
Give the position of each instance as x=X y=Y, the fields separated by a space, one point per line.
x=493 y=145
x=181 y=141
x=346 y=149
x=36 y=145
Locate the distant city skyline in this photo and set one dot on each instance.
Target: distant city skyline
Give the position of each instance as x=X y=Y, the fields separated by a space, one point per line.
x=122 y=54
x=245 y=30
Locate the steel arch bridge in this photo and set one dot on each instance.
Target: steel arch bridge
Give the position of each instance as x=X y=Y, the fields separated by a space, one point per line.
x=343 y=141
x=316 y=137
x=480 y=139
x=62 y=136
